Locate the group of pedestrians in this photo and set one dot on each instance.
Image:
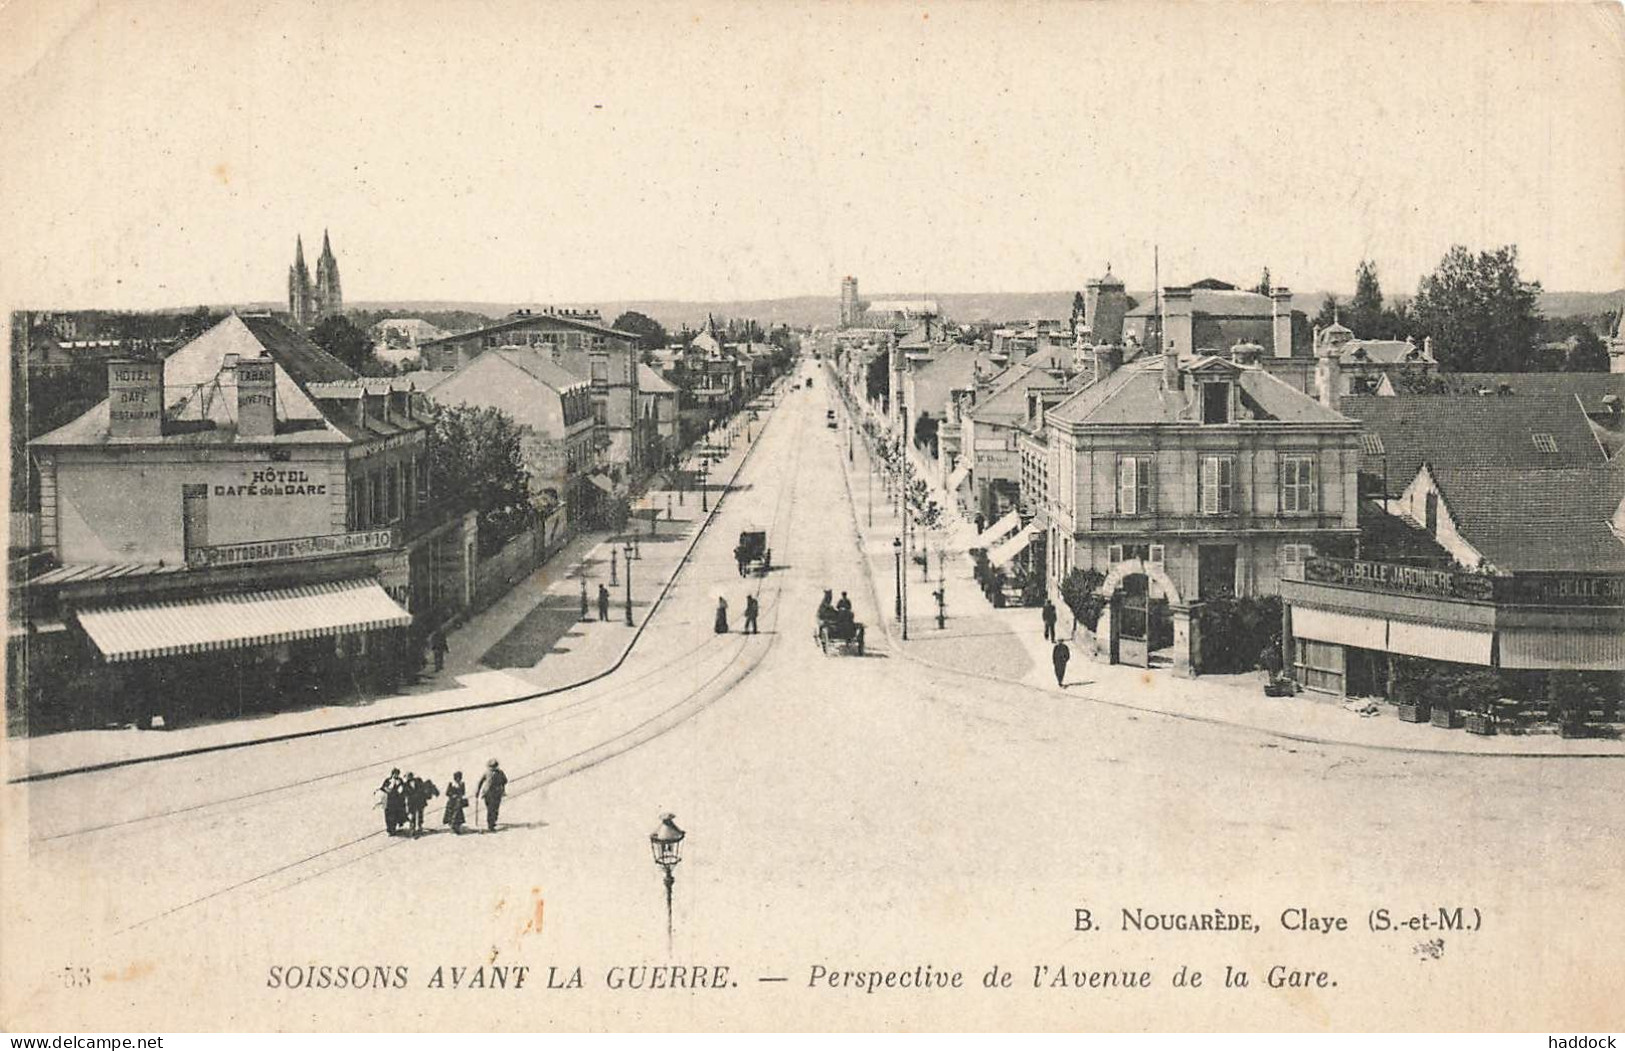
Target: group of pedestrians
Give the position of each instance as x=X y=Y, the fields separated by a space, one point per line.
x=405 y=798
x=753 y=610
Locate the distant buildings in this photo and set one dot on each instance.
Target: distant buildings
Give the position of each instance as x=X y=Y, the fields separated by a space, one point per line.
x=311 y=300
x=396 y=340
x=581 y=343
x=860 y=313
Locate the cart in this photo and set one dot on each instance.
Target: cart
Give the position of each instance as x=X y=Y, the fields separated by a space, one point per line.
x=752 y=552
x=845 y=638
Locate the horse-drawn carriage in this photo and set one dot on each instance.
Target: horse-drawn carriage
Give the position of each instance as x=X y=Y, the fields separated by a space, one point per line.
x=752 y=552
x=836 y=628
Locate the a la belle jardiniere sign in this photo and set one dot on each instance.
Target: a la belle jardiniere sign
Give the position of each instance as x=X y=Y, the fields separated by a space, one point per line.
x=1518 y=589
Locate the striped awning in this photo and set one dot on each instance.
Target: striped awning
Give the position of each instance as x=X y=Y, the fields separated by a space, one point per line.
x=252 y=618
x=1000 y=529
x=1014 y=546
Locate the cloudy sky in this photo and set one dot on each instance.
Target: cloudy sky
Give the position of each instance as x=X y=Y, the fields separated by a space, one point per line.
x=167 y=154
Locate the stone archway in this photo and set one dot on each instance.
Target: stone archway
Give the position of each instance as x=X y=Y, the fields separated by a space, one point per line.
x=1109 y=639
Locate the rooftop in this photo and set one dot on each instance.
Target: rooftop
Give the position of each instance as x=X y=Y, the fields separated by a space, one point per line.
x=1538 y=520
x=1134 y=394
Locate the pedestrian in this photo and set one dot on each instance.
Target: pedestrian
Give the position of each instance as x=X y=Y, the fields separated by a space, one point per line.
x=1270 y=659
x=603 y=602
x=1060 y=655
x=1049 y=621
x=437 y=643
x=583 y=600
x=722 y=616
x=490 y=790
x=394 y=800
x=456 y=803
x=418 y=793
x=751 y=611
x=981 y=522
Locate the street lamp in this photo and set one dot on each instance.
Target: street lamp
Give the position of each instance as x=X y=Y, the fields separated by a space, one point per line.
x=629 y=583
x=666 y=843
x=705 y=473
x=897 y=557
x=612 y=554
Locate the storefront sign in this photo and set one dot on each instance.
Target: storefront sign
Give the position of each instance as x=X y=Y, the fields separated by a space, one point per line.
x=1563 y=589
x=1518 y=589
x=293 y=548
x=1408 y=580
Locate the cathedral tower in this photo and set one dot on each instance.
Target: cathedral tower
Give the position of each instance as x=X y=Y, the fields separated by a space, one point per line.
x=309 y=301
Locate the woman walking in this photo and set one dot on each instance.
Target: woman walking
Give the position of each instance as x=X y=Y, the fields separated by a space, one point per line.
x=722 y=616
x=456 y=802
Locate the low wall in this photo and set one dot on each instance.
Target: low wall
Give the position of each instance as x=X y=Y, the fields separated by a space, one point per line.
x=496 y=576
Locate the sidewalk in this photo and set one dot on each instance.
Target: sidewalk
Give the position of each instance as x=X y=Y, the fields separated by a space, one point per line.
x=531 y=640
x=1008 y=645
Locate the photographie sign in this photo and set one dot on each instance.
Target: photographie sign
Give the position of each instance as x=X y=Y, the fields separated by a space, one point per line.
x=293 y=548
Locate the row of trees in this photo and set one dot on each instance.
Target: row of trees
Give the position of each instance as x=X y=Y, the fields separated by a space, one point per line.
x=1480 y=313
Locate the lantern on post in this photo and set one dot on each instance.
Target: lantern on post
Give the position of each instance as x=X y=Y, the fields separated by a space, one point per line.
x=666 y=843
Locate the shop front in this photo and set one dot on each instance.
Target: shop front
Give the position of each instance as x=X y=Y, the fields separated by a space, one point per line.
x=1346 y=620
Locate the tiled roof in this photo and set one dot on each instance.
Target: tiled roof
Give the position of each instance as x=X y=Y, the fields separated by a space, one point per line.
x=302 y=359
x=1590 y=387
x=652 y=382
x=1529 y=520
x=1134 y=394
x=538 y=366
x=1007 y=401
x=520 y=320
x=1217 y=303
x=1451 y=430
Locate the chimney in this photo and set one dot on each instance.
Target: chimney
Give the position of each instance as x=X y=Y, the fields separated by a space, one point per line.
x=1177 y=320
x=1328 y=377
x=256 y=397
x=135 y=399
x=1106 y=360
x=1246 y=353
x=1281 y=321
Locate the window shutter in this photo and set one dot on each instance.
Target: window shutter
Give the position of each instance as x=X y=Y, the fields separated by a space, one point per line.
x=1313 y=469
x=1209 y=484
x=1125 y=485
x=1147 y=483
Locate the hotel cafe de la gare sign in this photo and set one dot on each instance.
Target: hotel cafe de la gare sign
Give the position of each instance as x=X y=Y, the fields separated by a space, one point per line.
x=1517 y=589
x=291 y=549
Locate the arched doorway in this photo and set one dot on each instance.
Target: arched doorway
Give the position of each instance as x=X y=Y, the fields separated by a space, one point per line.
x=1137 y=622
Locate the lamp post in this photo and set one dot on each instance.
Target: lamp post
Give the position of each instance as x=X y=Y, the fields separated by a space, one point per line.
x=612 y=580
x=629 y=583
x=666 y=843
x=705 y=472
x=583 y=596
x=897 y=587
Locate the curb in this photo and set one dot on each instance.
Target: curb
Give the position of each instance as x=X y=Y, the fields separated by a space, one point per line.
x=225 y=746
x=1286 y=735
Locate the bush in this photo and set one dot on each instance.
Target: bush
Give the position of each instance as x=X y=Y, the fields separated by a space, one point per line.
x=1237 y=631
x=1080 y=593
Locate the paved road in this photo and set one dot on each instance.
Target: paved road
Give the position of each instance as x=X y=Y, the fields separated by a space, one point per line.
x=844 y=812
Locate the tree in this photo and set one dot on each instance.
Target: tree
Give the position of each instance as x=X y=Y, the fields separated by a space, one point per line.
x=1079 y=311
x=475 y=463
x=1330 y=312
x=652 y=335
x=1480 y=311
x=1589 y=354
x=1263 y=286
x=340 y=337
x=1365 y=312
x=877 y=378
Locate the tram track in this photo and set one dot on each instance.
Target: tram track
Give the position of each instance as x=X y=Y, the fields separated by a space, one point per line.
x=693 y=701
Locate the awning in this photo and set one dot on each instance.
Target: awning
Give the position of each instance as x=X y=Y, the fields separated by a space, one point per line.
x=999 y=530
x=601 y=482
x=253 y=618
x=957 y=478
x=1463 y=645
x=1002 y=554
x=1324 y=625
x=1569 y=650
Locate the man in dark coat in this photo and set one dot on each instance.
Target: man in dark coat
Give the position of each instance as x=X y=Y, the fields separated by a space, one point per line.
x=752 y=609
x=418 y=793
x=437 y=643
x=394 y=793
x=603 y=602
x=1049 y=621
x=490 y=790
x=1060 y=655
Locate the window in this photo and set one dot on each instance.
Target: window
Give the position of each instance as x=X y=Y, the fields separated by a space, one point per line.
x=392 y=479
x=1372 y=443
x=1297 y=484
x=1216 y=487
x=380 y=498
x=600 y=412
x=362 y=485
x=1215 y=403
x=1545 y=443
x=1134 y=485
x=194 y=517
x=409 y=479
x=490 y=341
x=1141 y=551
x=600 y=370
x=1431 y=514
x=1293 y=557
x=595 y=342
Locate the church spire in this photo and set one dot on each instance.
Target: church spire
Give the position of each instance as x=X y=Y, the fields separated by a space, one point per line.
x=299 y=251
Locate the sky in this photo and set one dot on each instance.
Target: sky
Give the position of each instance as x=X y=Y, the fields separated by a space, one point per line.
x=167 y=154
